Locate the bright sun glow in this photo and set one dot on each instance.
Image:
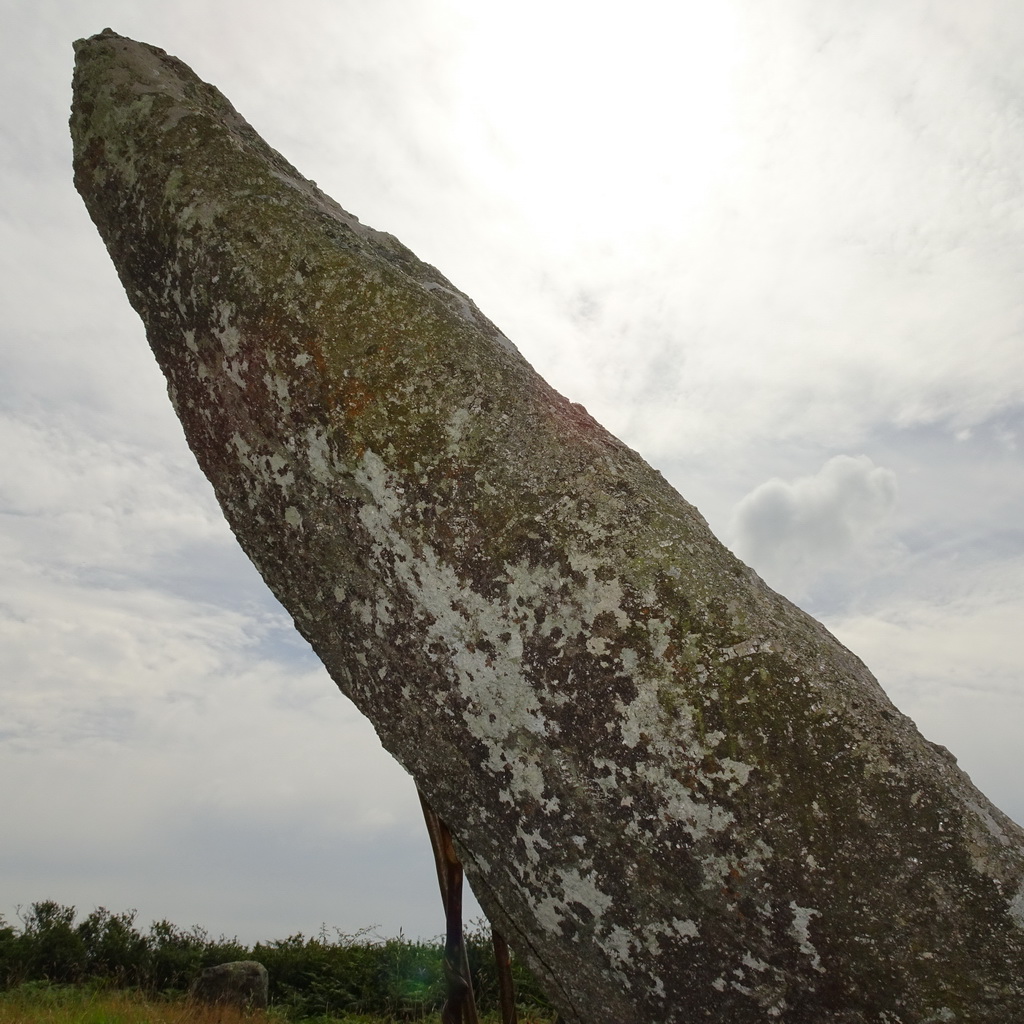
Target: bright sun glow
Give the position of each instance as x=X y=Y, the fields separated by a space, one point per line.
x=633 y=121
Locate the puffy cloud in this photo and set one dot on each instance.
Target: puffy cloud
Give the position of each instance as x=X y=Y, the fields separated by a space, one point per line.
x=791 y=531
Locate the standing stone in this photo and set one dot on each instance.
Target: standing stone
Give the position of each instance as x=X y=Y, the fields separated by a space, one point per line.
x=676 y=794
x=242 y=984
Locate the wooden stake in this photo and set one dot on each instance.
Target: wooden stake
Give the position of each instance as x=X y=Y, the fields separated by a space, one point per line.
x=460 y=1005
x=506 y=987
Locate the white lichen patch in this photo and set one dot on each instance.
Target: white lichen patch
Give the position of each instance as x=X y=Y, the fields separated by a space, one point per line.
x=1016 y=909
x=226 y=332
x=456 y=426
x=534 y=844
x=265 y=471
x=746 y=649
x=526 y=778
x=984 y=815
x=499 y=702
x=583 y=889
x=734 y=773
x=278 y=387
x=235 y=369
x=655 y=932
x=619 y=945
x=281 y=471
x=568 y=890
x=754 y=963
x=639 y=717
x=319 y=456
x=701 y=818
x=800 y=929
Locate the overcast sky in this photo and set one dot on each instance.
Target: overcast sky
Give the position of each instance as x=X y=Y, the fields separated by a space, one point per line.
x=777 y=248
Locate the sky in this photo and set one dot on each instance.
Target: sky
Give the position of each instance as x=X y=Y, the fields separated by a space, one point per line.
x=776 y=248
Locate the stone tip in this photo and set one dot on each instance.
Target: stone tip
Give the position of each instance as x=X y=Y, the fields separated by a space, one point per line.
x=107 y=33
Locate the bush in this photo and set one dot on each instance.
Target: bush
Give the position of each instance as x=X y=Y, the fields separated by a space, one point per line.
x=314 y=977
x=50 y=948
x=9 y=955
x=114 y=951
x=175 y=957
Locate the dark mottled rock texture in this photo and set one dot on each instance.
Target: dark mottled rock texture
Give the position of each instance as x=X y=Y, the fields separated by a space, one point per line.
x=242 y=984
x=678 y=795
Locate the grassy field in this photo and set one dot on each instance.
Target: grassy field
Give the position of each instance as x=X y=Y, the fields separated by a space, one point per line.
x=41 y=1003
x=68 y=1004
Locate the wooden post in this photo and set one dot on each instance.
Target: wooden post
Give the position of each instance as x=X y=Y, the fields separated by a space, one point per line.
x=506 y=987
x=460 y=1004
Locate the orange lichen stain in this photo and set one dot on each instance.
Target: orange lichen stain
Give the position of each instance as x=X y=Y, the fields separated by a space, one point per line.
x=345 y=398
x=355 y=397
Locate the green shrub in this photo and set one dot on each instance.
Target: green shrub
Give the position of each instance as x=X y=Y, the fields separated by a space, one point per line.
x=314 y=977
x=9 y=955
x=114 y=951
x=51 y=949
x=175 y=956
x=410 y=978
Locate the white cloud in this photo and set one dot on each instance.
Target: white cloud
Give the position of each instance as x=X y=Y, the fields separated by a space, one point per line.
x=165 y=750
x=790 y=532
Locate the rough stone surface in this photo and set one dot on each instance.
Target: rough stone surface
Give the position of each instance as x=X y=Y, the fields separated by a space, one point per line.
x=677 y=794
x=243 y=984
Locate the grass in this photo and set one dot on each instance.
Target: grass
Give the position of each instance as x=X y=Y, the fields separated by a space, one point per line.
x=43 y=1003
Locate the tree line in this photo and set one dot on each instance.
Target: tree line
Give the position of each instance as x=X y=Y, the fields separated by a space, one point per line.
x=323 y=975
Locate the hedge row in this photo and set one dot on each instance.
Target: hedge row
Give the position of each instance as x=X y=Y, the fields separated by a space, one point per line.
x=309 y=977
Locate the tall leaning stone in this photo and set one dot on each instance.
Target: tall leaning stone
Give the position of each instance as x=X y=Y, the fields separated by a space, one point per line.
x=676 y=793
